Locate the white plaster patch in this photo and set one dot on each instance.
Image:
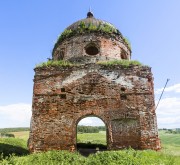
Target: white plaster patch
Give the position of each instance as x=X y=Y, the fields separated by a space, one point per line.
x=40 y=100
x=110 y=75
x=74 y=76
x=57 y=85
x=118 y=79
x=143 y=80
x=125 y=82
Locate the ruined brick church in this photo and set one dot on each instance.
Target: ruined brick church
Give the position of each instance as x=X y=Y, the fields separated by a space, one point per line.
x=91 y=82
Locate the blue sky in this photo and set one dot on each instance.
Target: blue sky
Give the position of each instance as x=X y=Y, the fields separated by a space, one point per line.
x=29 y=29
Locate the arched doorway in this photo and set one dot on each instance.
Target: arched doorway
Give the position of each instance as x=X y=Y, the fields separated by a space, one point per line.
x=91 y=135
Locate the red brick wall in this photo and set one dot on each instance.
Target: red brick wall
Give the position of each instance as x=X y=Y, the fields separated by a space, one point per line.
x=109 y=48
x=122 y=97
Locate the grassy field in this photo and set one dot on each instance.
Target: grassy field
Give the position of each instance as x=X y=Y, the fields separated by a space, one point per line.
x=170 y=142
x=94 y=138
x=169 y=155
x=21 y=135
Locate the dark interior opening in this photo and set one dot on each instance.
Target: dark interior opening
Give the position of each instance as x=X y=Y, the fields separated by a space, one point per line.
x=123 y=54
x=63 y=96
x=123 y=89
x=92 y=50
x=61 y=54
x=62 y=89
x=123 y=97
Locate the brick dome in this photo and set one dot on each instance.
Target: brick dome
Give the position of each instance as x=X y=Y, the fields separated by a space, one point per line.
x=92 y=21
x=90 y=40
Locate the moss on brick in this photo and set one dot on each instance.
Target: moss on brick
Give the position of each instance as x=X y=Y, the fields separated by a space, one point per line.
x=52 y=63
x=124 y=63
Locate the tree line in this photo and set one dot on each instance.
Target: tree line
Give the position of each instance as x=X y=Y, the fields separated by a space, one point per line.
x=20 y=129
x=90 y=129
x=171 y=131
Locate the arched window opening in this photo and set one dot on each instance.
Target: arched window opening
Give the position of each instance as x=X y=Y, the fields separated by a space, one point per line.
x=61 y=54
x=91 y=49
x=123 y=54
x=91 y=135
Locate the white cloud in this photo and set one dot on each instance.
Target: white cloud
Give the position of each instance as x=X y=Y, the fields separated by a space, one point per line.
x=168 y=113
x=15 y=115
x=91 y=121
x=174 y=88
x=18 y=115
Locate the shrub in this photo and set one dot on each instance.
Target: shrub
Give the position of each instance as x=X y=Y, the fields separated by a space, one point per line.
x=130 y=156
x=47 y=158
x=6 y=135
x=123 y=157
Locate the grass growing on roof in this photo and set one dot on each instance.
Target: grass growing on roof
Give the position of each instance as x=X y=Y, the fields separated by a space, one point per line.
x=54 y=63
x=125 y=63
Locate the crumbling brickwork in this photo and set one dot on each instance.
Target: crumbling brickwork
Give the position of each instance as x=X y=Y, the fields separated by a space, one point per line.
x=123 y=97
x=109 y=48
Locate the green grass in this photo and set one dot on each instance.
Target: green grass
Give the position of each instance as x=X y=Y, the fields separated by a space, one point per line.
x=93 y=138
x=169 y=155
x=84 y=28
x=50 y=63
x=132 y=157
x=124 y=157
x=63 y=63
x=9 y=146
x=170 y=143
x=124 y=63
x=46 y=158
x=21 y=135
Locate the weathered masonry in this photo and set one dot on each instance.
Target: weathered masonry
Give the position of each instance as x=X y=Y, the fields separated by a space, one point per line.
x=122 y=96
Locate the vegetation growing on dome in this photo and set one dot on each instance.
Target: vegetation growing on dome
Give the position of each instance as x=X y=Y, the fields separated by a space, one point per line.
x=124 y=63
x=88 y=28
x=65 y=34
x=126 y=40
x=51 y=63
x=83 y=28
